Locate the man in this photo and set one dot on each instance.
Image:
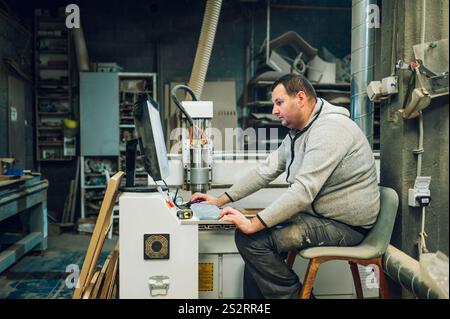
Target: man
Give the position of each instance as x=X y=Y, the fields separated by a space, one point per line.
x=332 y=199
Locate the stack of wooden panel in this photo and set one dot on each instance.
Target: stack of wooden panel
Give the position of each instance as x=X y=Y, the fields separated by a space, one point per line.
x=101 y=281
x=105 y=280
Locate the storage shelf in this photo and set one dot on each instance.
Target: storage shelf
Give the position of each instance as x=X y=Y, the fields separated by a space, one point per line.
x=69 y=158
x=53 y=113
x=126 y=99
x=94 y=186
x=94 y=174
x=55 y=37
x=53 y=144
x=48 y=19
x=52 y=52
x=43 y=128
x=53 y=97
x=53 y=82
x=53 y=85
x=54 y=68
x=260 y=103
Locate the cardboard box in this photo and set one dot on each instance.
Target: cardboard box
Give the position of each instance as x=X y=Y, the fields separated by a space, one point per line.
x=5 y=163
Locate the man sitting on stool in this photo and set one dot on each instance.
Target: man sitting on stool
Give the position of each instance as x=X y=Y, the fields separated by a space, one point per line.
x=332 y=199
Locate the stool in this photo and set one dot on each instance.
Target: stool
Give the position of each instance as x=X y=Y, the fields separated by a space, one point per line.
x=369 y=251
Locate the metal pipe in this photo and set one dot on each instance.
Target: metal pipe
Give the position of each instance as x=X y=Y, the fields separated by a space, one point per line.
x=81 y=49
x=205 y=45
x=405 y=271
x=268 y=33
x=362 y=66
x=299 y=7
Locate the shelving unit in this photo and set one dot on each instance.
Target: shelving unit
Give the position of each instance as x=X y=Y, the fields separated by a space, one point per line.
x=113 y=100
x=94 y=172
x=53 y=88
x=131 y=85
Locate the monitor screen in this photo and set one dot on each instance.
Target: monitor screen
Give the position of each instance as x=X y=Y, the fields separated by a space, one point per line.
x=150 y=138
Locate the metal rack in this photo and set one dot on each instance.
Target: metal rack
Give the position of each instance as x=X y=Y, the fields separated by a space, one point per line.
x=131 y=85
x=53 y=89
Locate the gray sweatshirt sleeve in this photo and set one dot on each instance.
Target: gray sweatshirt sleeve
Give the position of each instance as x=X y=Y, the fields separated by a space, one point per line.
x=260 y=176
x=326 y=146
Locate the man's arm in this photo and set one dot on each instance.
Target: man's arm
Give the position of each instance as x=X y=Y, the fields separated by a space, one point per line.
x=260 y=176
x=253 y=181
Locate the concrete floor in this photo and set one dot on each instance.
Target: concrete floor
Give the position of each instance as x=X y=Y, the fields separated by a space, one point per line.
x=42 y=275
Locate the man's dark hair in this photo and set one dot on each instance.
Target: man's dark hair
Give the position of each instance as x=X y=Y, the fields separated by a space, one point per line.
x=293 y=83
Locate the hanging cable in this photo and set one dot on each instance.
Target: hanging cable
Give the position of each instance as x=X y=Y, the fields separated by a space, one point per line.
x=183 y=110
x=420 y=150
x=422 y=236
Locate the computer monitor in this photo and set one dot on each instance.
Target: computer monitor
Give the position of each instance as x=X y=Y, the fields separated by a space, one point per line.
x=150 y=138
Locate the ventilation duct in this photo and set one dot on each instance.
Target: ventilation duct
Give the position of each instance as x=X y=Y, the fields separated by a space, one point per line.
x=205 y=45
x=362 y=66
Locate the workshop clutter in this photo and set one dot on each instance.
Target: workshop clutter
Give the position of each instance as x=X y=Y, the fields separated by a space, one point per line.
x=99 y=166
x=5 y=163
x=290 y=53
x=133 y=85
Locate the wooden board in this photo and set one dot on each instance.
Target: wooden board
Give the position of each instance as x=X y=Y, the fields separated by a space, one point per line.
x=101 y=277
x=67 y=203
x=87 y=294
x=113 y=283
x=110 y=273
x=11 y=182
x=8 y=177
x=75 y=193
x=99 y=234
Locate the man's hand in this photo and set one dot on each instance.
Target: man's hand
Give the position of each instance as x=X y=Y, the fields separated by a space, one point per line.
x=206 y=199
x=245 y=225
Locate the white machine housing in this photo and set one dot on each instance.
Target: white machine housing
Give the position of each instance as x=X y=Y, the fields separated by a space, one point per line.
x=148 y=214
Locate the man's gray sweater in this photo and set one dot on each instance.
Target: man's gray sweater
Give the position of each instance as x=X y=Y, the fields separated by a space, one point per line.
x=330 y=168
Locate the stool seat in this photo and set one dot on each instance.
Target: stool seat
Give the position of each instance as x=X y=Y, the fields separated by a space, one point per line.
x=357 y=252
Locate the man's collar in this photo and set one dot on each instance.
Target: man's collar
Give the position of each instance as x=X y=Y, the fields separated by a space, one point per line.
x=315 y=113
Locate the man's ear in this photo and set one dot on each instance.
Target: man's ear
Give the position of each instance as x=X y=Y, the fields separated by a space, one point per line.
x=301 y=98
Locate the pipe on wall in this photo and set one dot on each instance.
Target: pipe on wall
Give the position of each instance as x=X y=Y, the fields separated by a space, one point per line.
x=204 y=47
x=405 y=271
x=81 y=49
x=362 y=66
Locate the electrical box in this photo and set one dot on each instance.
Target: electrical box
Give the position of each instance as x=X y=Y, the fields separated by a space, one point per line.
x=420 y=195
x=374 y=90
x=389 y=85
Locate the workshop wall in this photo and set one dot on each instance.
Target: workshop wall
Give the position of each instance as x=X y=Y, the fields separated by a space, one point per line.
x=17 y=43
x=400 y=137
x=162 y=36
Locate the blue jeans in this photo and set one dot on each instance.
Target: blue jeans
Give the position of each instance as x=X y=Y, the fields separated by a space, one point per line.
x=266 y=274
